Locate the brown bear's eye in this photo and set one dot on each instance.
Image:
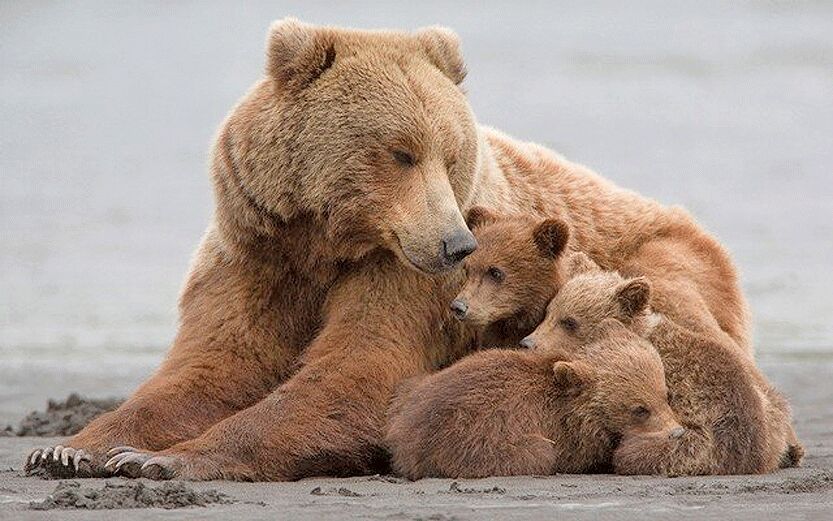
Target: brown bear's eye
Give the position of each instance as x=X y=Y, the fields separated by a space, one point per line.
x=403 y=158
x=641 y=412
x=497 y=274
x=569 y=324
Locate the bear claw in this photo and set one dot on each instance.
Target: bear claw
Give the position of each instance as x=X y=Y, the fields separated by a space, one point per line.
x=131 y=462
x=128 y=463
x=34 y=457
x=57 y=461
x=118 y=450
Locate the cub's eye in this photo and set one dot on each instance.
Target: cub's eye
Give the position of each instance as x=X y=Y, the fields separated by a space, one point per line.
x=641 y=412
x=496 y=274
x=569 y=324
x=404 y=158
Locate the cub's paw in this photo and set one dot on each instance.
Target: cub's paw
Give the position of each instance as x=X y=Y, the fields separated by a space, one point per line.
x=792 y=456
x=133 y=463
x=61 y=462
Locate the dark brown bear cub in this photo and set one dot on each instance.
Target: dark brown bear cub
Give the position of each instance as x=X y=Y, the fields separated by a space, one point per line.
x=512 y=275
x=736 y=422
x=504 y=412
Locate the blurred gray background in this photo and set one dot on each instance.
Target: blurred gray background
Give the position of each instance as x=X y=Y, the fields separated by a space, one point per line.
x=107 y=111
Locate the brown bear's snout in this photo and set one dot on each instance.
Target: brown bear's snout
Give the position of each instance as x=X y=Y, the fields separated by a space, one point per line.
x=458 y=246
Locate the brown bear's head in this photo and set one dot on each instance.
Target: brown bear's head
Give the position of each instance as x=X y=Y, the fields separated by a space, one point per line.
x=620 y=381
x=367 y=132
x=590 y=296
x=515 y=271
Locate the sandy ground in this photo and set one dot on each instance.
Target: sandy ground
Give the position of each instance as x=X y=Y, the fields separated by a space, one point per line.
x=804 y=493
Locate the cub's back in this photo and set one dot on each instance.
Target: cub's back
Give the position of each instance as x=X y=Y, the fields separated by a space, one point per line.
x=486 y=415
x=712 y=385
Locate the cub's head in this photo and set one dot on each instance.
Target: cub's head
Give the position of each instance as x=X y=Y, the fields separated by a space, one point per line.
x=620 y=381
x=367 y=131
x=576 y=314
x=517 y=268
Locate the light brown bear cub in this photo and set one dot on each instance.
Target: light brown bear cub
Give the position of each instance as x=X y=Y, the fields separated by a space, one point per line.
x=736 y=422
x=504 y=412
x=518 y=266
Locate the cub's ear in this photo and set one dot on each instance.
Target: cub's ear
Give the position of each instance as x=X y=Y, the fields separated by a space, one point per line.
x=580 y=263
x=298 y=53
x=633 y=296
x=570 y=377
x=479 y=216
x=551 y=237
x=442 y=46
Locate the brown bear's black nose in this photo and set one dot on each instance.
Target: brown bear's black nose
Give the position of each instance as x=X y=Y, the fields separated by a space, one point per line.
x=457 y=246
x=528 y=342
x=459 y=308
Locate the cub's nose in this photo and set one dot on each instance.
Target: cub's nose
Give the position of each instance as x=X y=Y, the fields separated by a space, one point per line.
x=528 y=342
x=459 y=308
x=457 y=246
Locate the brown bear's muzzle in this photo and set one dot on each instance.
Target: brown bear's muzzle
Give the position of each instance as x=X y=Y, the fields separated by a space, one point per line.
x=429 y=226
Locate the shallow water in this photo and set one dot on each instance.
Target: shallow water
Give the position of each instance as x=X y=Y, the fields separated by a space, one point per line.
x=108 y=110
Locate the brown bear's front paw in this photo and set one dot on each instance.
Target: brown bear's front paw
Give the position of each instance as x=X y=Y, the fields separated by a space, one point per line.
x=60 y=462
x=126 y=461
x=164 y=467
x=133 y=463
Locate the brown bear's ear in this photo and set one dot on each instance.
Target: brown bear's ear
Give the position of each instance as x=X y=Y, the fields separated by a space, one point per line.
x=551 y=237
x=479 y=216
x=633 y=296
x=570 y=377
x=580 y=263
x=442 y=46
x=298 y=53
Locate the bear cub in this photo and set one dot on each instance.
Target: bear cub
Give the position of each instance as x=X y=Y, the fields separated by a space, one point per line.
x=512 y=275
x=512 y=412
x=735 y=421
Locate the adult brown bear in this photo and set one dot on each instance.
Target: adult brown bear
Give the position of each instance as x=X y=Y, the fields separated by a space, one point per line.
x=324 y=279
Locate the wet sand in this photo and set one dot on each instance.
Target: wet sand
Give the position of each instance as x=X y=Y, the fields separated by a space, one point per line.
x=805 y=493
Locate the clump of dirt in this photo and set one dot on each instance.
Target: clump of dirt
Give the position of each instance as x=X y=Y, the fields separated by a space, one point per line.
x=341 y=491
x=386 y=478
x=63 y=418
x=455 y=488
x=71 y=495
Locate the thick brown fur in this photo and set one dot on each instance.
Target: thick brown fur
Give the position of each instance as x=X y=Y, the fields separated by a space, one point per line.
x=503 y=412
x=519 y=264
x=736 y=422
x=320 y=283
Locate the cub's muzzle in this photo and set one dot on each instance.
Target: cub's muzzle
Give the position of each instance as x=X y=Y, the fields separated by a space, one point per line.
x=459 y=308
